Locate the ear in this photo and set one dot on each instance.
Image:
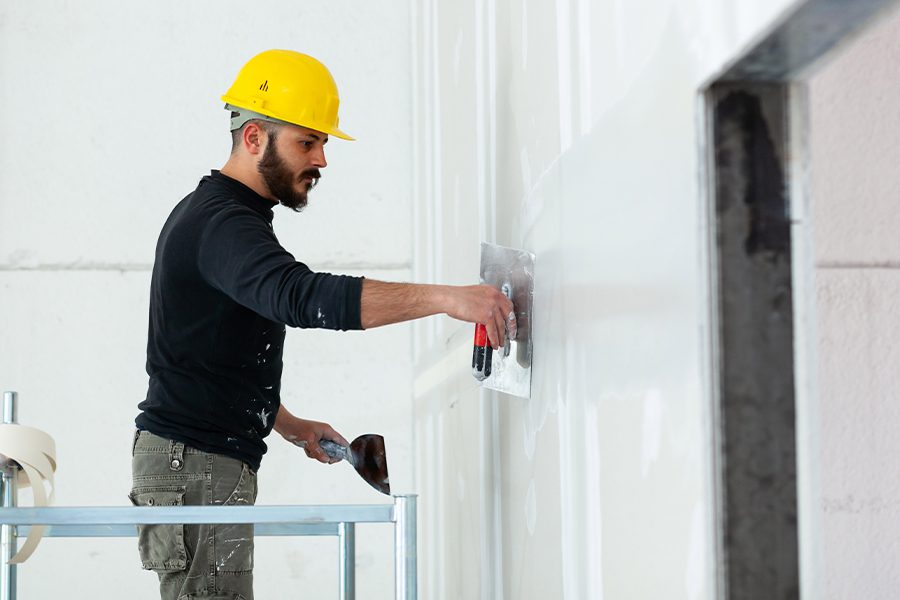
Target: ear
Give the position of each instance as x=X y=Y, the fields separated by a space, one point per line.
x=254 y=138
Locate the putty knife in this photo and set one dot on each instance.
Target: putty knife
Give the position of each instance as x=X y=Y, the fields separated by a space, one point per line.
x=367 y=455
x=509 y=368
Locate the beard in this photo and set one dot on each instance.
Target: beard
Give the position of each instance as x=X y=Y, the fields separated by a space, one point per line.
x=281 y=182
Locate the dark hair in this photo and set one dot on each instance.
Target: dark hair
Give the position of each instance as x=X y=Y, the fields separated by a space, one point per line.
x=270 y=128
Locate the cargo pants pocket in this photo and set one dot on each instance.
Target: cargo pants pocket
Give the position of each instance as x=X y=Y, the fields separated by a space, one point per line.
x=161 y=547
x=233 y=543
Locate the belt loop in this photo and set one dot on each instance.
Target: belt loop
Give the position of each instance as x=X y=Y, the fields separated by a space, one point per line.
x=176 y=455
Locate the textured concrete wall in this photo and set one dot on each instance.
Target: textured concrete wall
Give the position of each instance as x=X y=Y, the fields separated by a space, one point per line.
x=854 y=127
x=110 y=114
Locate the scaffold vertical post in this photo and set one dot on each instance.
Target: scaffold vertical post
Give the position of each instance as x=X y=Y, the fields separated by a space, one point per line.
x=347 y=560
x=405 y=559
x=8 y=489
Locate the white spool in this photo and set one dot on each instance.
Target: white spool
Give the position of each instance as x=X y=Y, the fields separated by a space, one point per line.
x=35 y=453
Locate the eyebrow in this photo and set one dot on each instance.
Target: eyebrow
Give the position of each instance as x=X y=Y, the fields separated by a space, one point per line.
x=317 y=138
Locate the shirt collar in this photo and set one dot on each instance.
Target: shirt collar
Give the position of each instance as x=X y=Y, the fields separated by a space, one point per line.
x=245 y=195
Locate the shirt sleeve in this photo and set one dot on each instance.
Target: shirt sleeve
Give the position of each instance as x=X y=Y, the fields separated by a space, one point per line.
x=240 y=256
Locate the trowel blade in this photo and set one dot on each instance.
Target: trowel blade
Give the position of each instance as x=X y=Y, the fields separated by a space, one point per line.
x=367 y=455
x=501 y=266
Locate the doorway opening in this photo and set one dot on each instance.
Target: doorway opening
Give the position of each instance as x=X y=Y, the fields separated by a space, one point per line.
x=762 y=278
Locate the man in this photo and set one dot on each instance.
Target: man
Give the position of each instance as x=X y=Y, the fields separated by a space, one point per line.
x=222 y=291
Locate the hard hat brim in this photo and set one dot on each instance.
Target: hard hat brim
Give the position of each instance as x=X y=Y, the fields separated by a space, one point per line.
x=269 y=116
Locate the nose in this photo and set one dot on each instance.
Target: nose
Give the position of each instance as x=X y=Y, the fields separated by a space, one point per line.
x=319 y=158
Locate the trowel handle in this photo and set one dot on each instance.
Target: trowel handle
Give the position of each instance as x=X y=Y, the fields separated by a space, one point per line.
x=335 y=450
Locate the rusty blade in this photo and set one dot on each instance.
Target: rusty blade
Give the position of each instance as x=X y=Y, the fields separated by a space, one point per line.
x=367 y=455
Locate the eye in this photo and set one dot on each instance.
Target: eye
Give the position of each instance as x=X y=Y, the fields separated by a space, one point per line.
x=307 y=144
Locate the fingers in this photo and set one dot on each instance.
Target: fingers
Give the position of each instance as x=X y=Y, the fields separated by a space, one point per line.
x=501 y=319
x=314 y=450
x=500 y=324
x=311 y=434
x=487 y=305
x=318 y=454
x=492 y=333
x=334 y=436
x=512 y=326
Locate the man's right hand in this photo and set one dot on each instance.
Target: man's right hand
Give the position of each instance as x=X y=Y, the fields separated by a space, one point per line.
x=383 y=303
x=486 y=305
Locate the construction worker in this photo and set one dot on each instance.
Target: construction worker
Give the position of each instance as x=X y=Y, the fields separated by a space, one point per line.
x=222 y=291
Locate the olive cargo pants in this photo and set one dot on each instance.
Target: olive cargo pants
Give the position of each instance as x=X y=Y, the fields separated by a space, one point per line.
x=213 y=562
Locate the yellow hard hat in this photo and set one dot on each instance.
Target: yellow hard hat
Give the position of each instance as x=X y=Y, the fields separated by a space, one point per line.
x=287 y=86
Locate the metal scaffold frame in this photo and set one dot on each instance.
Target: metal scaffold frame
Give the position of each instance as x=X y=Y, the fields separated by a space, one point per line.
x=122 y=521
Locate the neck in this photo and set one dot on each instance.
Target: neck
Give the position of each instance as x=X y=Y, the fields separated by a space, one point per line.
x=245 y=171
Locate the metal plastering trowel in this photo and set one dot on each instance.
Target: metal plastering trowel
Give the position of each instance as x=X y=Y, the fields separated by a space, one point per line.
x=367 y=455
x=507 y=369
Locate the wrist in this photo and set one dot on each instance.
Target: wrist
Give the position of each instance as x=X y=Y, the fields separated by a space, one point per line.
x=438 y=299
x=282 y=420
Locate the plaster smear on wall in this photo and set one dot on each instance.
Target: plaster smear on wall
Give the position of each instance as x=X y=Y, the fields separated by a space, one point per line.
x=530 y=508
x=652 y=430
x=593 y=519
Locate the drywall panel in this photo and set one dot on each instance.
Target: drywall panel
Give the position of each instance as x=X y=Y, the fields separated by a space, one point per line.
x=453 y=512
x=116 y=115
x=569 y=128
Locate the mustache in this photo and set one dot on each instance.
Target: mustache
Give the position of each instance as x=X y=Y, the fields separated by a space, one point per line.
x=315 y=174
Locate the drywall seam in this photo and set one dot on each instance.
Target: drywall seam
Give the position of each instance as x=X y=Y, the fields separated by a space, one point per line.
x=87 y=266
x=90 y=266
x=885 y=265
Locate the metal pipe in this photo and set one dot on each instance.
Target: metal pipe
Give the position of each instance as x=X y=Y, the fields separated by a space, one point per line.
x=347 y=560
x=10 y=407
x=405 y=582
x=193 y=515
x=8 y=489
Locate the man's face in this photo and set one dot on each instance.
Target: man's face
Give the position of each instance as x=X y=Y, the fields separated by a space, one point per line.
x=290 y=163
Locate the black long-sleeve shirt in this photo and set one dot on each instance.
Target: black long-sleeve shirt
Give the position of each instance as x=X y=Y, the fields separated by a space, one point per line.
x=221 y=293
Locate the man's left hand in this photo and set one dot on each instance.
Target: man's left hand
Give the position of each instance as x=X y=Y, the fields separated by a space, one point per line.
x=306 y=434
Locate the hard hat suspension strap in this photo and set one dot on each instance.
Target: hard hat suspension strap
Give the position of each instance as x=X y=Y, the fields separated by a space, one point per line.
x=242 y=115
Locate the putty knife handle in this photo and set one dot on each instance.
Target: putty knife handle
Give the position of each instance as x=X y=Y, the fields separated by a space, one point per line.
x=335 y=450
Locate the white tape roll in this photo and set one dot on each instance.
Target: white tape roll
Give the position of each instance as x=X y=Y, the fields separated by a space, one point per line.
x=35 y=451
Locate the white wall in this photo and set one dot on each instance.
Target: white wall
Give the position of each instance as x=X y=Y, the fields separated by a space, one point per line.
x=854 y=126
x=569 y=128
x=110 y=114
